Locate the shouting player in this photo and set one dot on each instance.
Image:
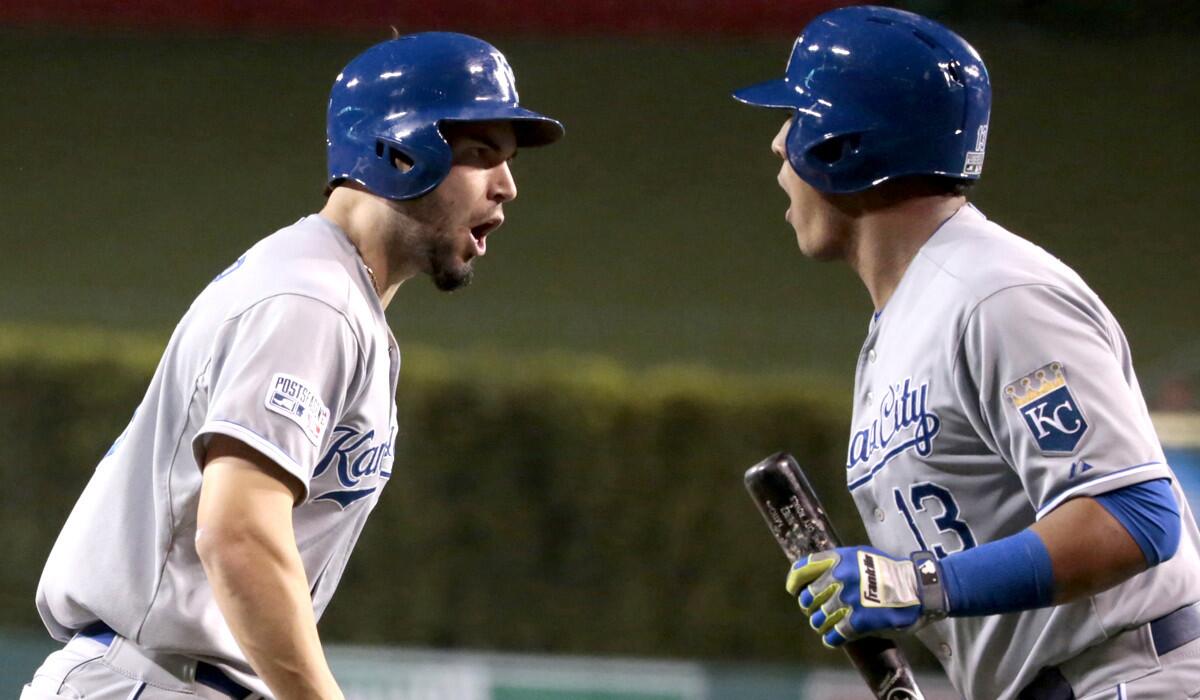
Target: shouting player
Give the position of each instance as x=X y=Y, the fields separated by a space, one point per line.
x=214 y=532
x=1024 y=523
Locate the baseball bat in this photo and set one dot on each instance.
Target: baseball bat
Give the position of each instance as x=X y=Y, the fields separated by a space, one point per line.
x=799 y=524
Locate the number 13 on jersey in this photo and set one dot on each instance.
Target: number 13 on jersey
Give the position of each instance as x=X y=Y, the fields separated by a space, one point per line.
x=923 y=501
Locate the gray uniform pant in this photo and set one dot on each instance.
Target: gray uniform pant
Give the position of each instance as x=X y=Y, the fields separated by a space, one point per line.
x=86 y=669
x=1178 y=678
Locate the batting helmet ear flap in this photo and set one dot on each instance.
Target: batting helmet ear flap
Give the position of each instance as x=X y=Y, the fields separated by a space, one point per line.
x=823 y=161
x=394 y=156
x=423 y=149
x=834 y=151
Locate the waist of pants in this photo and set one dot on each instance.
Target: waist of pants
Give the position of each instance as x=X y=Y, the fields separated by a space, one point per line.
x=205 y=674
x=1167 y=634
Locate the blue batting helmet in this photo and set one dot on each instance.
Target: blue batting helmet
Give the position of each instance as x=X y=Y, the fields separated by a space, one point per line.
x=879 y=93
x=388 y=103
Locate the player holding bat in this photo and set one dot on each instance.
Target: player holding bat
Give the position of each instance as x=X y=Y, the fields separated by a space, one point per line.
x=801 y=527
x=1024 y=523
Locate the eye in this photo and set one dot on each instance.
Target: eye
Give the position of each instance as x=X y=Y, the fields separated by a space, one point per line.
x=478 y=154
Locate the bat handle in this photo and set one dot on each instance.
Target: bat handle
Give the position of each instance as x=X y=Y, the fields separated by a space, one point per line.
x=884 y=668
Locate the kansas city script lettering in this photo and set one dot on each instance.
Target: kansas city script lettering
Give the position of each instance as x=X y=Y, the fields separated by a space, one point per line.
x=354 y=456
x=901 y=409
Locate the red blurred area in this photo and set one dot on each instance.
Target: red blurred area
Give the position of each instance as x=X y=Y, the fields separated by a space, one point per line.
x=720 y=17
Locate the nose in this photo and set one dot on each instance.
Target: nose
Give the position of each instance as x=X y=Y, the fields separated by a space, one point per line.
x=779 y=143
x=503 y=188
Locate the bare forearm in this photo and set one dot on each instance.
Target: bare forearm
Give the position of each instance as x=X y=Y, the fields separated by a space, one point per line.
x=263 y=594
x=1077 y=550
x=1089 y=550
x=246 y=542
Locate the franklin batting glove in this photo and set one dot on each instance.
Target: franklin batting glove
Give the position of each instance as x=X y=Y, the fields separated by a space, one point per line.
x=850 y=592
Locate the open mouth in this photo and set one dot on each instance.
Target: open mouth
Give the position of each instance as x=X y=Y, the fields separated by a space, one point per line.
x=479 y=233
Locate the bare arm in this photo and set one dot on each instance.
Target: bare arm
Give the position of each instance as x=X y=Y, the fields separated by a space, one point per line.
x=248 y=548
x=1090 y=550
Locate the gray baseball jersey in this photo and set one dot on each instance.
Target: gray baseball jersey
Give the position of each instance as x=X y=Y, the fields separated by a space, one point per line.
x=994 y=386
x=288 y=351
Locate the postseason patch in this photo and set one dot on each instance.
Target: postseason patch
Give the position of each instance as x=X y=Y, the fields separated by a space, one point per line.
x=1051 y=413
x=293 y=399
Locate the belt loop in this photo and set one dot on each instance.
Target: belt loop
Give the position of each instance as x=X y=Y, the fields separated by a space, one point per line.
x=167 y=671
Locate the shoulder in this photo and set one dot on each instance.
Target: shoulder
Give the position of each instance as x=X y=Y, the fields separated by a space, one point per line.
x=295 y=287
x=308 y=265
x=299 y=260
x=978 y=259
x=1013 y=298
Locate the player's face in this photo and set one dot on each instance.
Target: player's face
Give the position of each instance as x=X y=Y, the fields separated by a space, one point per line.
x=468 y=205
x=819 y=225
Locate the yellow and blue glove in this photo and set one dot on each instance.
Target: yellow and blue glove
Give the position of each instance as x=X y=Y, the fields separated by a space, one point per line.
x=850 y=592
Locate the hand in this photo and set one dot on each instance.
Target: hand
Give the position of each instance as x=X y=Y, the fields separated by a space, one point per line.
x=850 y=592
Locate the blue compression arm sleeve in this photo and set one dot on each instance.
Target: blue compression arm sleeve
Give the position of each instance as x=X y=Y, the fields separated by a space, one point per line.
x=1149 y=512
x=1015 y=573
x=1007 y=575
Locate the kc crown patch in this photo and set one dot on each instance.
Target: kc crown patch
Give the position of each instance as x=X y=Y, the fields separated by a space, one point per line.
x=1051 y=413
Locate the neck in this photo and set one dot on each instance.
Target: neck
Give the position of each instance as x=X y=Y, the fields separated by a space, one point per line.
x=885 y=240
x=370 y=222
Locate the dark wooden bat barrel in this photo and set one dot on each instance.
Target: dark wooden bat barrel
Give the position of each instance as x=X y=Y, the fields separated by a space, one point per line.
x=800 y=526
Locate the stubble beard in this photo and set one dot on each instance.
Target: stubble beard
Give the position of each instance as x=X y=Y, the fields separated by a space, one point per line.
x=446 y=269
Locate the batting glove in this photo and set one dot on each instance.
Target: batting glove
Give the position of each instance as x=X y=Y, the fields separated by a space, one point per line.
x=850 y=592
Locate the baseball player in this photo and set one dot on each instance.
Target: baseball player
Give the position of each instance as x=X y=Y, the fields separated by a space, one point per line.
x=214 y=532
x=1024 y=523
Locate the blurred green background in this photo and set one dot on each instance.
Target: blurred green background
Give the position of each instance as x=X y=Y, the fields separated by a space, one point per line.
x=139 y=166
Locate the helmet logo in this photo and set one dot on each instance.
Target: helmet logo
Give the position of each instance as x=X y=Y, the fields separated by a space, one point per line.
x=506 y=81
x=974 y=162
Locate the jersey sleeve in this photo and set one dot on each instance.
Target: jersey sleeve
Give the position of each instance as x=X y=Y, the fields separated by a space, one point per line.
x=281 y=375
x=1057 y=395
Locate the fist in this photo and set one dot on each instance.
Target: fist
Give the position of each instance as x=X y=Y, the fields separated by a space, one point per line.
x=850 y=592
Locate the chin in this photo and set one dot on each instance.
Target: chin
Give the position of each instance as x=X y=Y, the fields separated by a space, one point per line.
x=824 y=255
x=817 y=247
x=451 y=277
x=447 y=267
